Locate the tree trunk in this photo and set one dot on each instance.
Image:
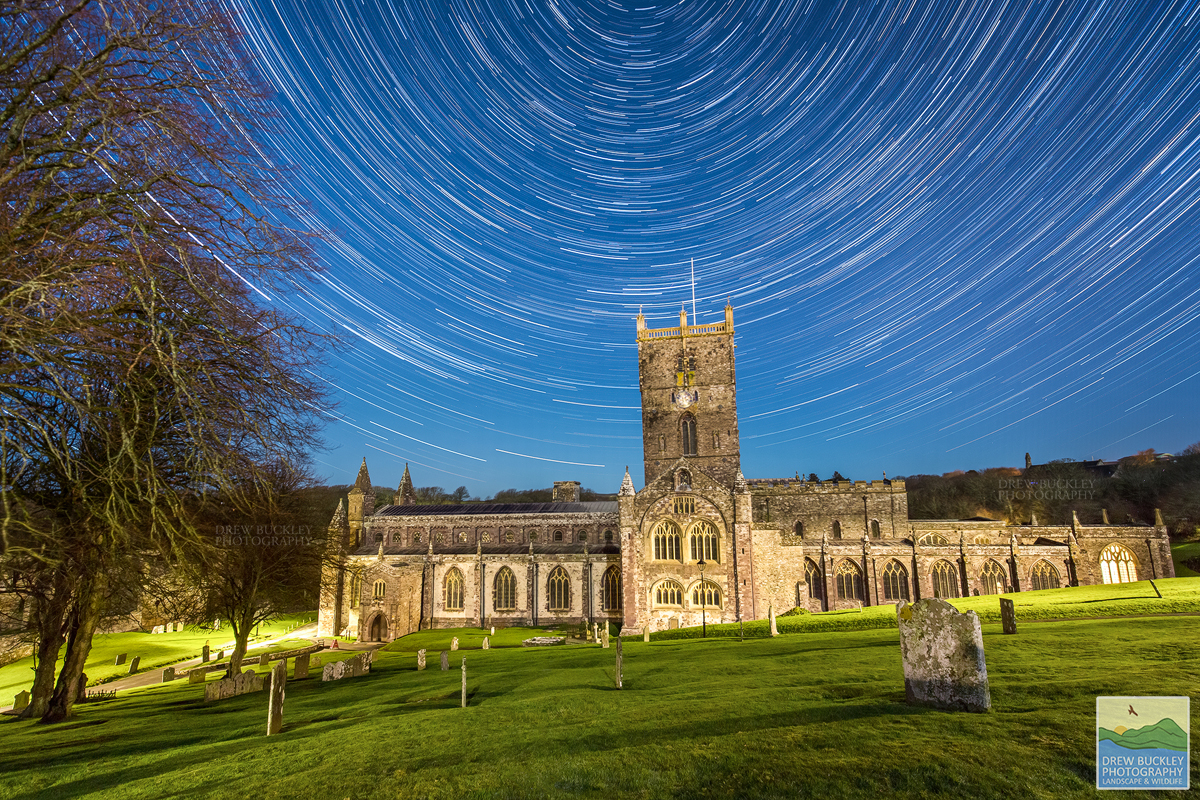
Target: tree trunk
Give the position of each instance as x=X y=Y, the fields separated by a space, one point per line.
x=49 y=611
x=79 y=643
x=243 y=623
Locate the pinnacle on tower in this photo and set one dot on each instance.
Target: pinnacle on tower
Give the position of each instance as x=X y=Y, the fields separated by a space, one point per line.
x=405 y=496
x=363 y=481
x=627 y=485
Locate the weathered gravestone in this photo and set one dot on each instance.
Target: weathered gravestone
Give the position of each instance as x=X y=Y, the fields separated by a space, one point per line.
x=646 y=634
x=275 y=703
x=238 y=684
x=168 y=675
x=264 y=660
x=445 y=661
x=300 y=671
x=133 y=665
x=196 y=676
x=220 y=654
x=464 y=682
x=486 y=645
x=493 y=630
x=617 y=672
x=157 y=629
x=454 y=643
x=943 y=659
x=204 y=655
x=595 y=633
x=604 y=637
x=420 y=659
x=21 y=700
x=1008 y=615
x=120 y=659
x=771 y=613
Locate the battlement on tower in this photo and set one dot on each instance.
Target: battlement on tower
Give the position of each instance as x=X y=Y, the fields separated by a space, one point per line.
x=683 y=329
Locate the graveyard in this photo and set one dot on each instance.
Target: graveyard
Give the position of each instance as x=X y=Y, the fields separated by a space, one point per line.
x=817 y=711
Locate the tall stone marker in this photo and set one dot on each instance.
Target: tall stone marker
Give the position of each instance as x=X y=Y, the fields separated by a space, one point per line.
x=204 y=655
x=464 y=682
x=445 y=661
x=275 y=705
x=617 y=672
x=21 y=700
x=646 y=634
x=771 y=612
x=595 y=633
x=604 y=637
x=943 y=659
x=454 y=643
x=1008 y=615
x=420 y=660
x=493 y=630
x=300 y=671
x=133 y=665
x=120 y=659
x=486 y=643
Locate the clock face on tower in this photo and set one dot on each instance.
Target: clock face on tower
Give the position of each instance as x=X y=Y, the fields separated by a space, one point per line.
x=683 y=399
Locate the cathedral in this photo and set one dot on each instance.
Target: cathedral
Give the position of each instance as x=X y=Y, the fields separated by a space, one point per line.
x=698 y=539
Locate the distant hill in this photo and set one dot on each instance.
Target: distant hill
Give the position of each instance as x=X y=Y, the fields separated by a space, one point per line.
x=1164 y=734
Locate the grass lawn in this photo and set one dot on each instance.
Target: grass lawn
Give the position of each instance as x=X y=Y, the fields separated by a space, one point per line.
x=819 y=715
x=156 y=650
x=1185 y=551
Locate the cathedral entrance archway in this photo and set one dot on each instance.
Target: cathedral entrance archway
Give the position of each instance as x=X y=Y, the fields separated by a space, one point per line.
x=378 y=629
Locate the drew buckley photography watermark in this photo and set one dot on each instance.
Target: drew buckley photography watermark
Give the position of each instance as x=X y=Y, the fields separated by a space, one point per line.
x=1016 y=489
x=264 y=535
x=1142 y=742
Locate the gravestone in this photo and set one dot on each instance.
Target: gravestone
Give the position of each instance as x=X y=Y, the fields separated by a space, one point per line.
x=196 y=676
x=420 y=660
x=21 y=701
x=275 y=703
x=493 y=630
x=316 y=662
x=646 y=634
x=464 y=682
x=604 y=638
x=1008 y=615
x=220 y=654
x=204 y=655
x=595 y=633
x=445 y=661
x=485 y=643
x=942 y=651
x=157 y=629
x=216 y=624
x=454 y=643
x=617 y=672
x=120 y=659
x=264 y=660
x=133 y=665
x=300 y=671
x=168 y=675
x=771 y=613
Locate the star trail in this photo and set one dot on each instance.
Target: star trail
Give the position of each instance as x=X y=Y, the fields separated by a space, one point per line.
x=952 y=232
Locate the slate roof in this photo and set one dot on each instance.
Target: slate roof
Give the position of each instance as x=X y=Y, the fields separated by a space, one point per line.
x=493 y=549
x=480 y=509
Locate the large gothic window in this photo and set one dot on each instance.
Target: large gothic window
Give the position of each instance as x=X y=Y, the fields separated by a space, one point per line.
x=666 y=542
x=454 y=590
x=945 y=579
x=1045 y=576
x=668 y=593
x=895 y=581
x=849 y=581
x=558 y=590
x=610 y=589
x=706 y=595
x=993 y=579
x=812 y=576
x=504 y=590
x=933 y=539
x=687 y=430
x=1117 y=565
x=704 y=544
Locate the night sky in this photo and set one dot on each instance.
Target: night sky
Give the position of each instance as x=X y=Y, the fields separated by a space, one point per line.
x=952 y=232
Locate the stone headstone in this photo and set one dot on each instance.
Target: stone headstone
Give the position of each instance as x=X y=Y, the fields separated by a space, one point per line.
x=204 y=655
x=445 y=661
x=157 y=629
x=264 y=660
x=604 y=637
x=454 y=643
x=1008 y=615
x=133 y=665
x=420 y=659
x=168 y=675
x=316 y=662
x=196 y=676
x=21 y=701
x=275 y=703
x=943 y=659
x=120 y=659
x=464 y=682
x=493 y=630
x=300 y=671
x=617 y=672
x=771 y=613
x=595 y=633
x=646 y=634
x=486 y=643
x=216 y=624
x=220 y=654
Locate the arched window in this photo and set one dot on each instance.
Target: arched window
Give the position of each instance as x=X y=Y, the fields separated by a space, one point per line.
x=608 y=536
x=934 y=539
x=704 y=543
x=558 y=590
x=981 y=539
x=610 y=589
x=379 y=590
x=687 y=432
x=377 y=538
x=1117 y=565
x=558 y=536
x=583 y=536
x=812 y=576
x=849 y=581
x=800 y=529
x=837 y=529
x=454 y=590
x=416 y=538
x=504 y=590
x=945 y=579
x=1045 y=576
x=684 y=504
x=895 y=581
x=706 y=595
x=668 y=593
x=993 y=579
x=509 y=536
x=875 y=532
x=666 y=542
x=355 y=589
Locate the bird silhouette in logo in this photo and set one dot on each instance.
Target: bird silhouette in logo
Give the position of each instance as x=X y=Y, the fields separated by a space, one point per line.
x=1131 y=711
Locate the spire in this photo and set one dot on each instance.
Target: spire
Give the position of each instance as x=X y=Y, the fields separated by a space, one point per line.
x=405 y=496
x=627 y=485
x=363 y=481
x=339 y=516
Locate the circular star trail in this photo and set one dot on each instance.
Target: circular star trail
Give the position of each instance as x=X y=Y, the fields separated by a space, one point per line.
x=952 y=232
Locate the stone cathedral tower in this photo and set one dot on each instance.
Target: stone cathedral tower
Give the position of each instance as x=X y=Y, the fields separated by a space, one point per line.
x=689 y=397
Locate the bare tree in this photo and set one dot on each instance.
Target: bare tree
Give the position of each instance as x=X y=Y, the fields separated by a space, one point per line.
x=142 y=229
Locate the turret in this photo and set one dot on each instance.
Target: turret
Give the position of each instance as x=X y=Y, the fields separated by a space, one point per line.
x=405 y=496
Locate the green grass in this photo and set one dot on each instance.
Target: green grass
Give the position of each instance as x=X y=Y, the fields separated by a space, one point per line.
x=819 y=715
x=1185 y=551
x=156 y=650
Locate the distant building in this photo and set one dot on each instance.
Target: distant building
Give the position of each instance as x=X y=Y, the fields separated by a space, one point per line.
x=637 y=560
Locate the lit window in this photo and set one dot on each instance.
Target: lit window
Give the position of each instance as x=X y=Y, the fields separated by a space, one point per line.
x=933 y=539
x=610 y=589
x=380 y=589
x=993 y=579
x=706 y=595
x=703 y=541
x=849 y=581
x=895 y=581
x=685 y=505
x=504 y=590
x=1117 y=565
x=1045 y=576
x=945 y=579
x=666 y=542
x=355 y=589
x=454 y=590
x=668 y=593
x=812 y=576
x=558 y=590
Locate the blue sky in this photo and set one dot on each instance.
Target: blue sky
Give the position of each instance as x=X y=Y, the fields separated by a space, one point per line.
x=951 y=232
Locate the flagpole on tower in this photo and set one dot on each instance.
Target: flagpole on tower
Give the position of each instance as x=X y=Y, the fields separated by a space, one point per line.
x=694 y=320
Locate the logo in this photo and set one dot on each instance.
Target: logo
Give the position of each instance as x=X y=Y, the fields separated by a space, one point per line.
x=1142 y=742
